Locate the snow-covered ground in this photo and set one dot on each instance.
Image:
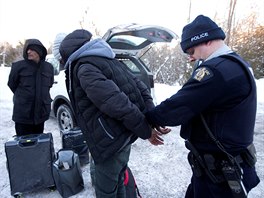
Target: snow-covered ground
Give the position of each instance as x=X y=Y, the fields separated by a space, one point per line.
x=160 y=172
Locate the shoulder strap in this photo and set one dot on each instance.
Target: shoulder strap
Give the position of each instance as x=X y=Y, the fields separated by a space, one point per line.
x=216 y=141
x=235 y=58
x=242 y=62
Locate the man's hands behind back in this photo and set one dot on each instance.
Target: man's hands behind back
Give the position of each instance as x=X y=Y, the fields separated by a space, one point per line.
x=155 y=138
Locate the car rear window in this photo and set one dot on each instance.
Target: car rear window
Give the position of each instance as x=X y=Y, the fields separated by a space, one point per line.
x=133 y=67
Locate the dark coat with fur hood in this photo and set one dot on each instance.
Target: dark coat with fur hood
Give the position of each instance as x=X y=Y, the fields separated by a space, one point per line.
x=31 y=82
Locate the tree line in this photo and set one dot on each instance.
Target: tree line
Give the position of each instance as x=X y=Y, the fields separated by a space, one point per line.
x=170 y=65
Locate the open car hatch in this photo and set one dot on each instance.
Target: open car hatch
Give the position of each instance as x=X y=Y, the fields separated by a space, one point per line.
x=131 y=38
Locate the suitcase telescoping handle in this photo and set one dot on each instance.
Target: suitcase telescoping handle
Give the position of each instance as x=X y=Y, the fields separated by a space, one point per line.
x=28 y=142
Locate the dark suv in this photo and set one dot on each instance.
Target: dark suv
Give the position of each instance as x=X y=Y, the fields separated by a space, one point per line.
x=127 y=41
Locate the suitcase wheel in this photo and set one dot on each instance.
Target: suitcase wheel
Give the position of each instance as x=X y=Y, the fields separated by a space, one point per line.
x=19 y=195
x=52 y=188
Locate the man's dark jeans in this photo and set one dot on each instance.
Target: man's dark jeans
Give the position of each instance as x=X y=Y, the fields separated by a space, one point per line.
x=26 y=129
x=109 y=175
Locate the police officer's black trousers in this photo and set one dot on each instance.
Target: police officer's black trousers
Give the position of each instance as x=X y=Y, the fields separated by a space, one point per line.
x=203 y=187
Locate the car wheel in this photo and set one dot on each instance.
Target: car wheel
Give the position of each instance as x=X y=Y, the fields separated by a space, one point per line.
x=65 y=118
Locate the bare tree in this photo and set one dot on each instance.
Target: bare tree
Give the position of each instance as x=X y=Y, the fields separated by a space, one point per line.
x=10 y=54
x=248 y=41
x=190 y=8
x=87 y=23
x=231 y=12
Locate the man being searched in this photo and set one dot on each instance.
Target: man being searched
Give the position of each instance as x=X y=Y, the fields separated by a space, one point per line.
x=216 y=109
x=30 y=80
x=108 y=102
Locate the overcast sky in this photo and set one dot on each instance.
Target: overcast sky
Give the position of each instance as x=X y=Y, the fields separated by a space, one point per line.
x=20 y=20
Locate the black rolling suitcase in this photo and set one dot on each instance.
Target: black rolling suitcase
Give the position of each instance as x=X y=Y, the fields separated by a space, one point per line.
x=74 y=139
x=29 y=162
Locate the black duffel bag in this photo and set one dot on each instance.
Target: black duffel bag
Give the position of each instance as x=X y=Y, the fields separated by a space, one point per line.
x=67 y=173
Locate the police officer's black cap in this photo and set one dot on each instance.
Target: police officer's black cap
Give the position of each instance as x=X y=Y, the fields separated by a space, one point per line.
x=201 y=30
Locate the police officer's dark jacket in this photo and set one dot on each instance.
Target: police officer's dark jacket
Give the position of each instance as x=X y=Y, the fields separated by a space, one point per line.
x=224 y=92
x=30 y=82
x=107 y=99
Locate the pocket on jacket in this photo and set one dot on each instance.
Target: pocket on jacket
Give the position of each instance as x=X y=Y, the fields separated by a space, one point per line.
x=106 y=131
x=22 y=107
x=105 y=128
x=46 y=79
x=27 y=79
x=46 y=106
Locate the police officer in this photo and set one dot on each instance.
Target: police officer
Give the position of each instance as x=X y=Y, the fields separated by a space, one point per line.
x=216 y=109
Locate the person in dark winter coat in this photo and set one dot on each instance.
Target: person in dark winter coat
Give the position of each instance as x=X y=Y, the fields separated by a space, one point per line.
x=109 y=103
x=216 y=109
x=30 y=80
